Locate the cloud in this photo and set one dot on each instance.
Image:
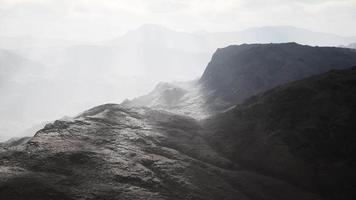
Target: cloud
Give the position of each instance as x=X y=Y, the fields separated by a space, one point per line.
x=106 y=18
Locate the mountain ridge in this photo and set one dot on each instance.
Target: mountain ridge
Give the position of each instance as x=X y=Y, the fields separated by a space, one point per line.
x=237 y=72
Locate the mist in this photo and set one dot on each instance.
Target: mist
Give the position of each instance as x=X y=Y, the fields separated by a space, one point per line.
x=59 y=58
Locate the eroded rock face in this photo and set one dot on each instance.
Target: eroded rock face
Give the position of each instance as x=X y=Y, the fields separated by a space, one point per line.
x=112 y=152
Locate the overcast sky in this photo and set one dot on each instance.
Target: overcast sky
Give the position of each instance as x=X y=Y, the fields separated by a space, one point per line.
x=100 y=19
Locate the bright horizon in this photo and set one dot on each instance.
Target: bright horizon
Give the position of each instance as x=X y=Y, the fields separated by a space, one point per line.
x=95 y=20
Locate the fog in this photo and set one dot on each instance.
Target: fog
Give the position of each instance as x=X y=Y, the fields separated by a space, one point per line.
x=59 y=58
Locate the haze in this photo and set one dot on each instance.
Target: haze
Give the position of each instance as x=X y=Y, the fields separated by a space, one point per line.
x=59 y=58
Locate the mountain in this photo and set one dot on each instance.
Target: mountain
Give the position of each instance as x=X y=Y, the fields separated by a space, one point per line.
x=202 y=140
x=18 y=76
x=301 y=132
x=112 y=152
x=184 y=98
x=156 y=35
x=14 y=67
x=351 y=46
x=237 y=72
x=292 y=142
x=280 y=34
x=127 y=66
x=14 y=142
x=209 y=41
x=240 y=71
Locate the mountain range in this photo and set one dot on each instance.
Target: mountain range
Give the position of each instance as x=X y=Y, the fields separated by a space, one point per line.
x=287 y=133
x=114 y=69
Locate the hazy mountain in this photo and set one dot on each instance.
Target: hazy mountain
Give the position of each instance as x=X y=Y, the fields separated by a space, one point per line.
x=210 y=41
x=14 y=67
x=301 y=132
x=125 y=67
x=352 y=46
x=279 y=34
x=18 y=78
x=29 y=43
x=238 y=72
x=156 y=35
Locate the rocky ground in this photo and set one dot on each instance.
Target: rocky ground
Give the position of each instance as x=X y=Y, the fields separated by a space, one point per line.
x=111 y=152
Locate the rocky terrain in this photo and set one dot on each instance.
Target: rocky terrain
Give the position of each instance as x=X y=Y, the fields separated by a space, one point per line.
x=200 y=140
x=111 y=152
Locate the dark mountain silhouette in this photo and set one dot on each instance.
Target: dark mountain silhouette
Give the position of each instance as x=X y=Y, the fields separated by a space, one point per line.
x=238 y=72
x=301 y=132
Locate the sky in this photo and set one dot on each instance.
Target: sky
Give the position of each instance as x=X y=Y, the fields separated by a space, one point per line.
x=55 y=78
x=95 y=20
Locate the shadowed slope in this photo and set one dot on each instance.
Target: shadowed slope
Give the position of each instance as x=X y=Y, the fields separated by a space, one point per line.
x=302 y=132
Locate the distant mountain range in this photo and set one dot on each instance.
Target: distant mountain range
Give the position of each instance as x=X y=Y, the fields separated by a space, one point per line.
x=203 y=41
x=291 y=137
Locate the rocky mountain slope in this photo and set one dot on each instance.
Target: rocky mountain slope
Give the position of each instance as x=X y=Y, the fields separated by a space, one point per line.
x=111 y=152
x=301 y=132
x=291 y=142
x=238 y=72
